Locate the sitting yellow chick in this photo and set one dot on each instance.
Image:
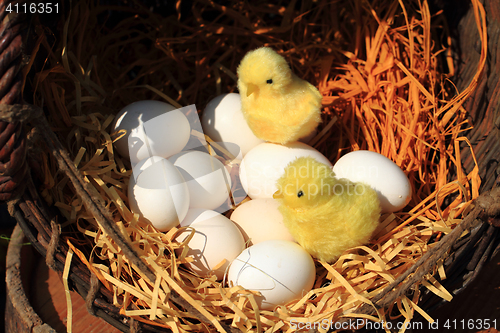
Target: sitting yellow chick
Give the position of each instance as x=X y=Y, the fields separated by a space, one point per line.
x=278 y=106
x=325 y=215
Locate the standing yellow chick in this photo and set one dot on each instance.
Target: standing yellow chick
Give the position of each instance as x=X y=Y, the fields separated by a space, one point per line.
x=325 y=215
x=278 y=106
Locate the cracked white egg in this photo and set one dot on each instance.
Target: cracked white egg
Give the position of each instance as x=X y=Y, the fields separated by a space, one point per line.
x=216 y=239
x=158 y=193
x=208 y=180
x=282 y=271
x=152 y=128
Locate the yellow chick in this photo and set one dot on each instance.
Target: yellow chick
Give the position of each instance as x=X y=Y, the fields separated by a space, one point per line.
x=278 y=106
x=325 y=215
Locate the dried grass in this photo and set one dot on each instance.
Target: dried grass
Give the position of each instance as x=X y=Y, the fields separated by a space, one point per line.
x=385 y=75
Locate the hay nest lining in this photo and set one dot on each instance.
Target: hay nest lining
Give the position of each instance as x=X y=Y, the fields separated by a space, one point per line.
x=384 y=70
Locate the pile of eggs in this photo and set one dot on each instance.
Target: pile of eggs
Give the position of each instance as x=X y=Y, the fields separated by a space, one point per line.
x=176 y=183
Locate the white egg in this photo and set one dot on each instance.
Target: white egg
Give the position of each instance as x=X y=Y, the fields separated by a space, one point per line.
x=260 y=220
x=223 y=121
x=265 y=164
x=208 y=181
x=143 y=165
x=153 y=128
x=380 y=173
x=281 y=271
x=158 y=192
x=216 y=238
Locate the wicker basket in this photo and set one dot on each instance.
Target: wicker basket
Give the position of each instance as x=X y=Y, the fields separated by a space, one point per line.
x=19 y=314
x=41 y=223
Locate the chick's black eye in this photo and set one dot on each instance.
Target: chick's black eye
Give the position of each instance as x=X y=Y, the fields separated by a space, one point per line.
x=270 y=81
x=300 y=193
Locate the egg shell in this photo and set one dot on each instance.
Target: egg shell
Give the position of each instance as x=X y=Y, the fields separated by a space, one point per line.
x=264 y=164
x=223 y=121
x=280 y=270
x=216 y=238
x=380 y=173
x=158 y=193
x=260 y=220
x=207 y=179
x=153 y=128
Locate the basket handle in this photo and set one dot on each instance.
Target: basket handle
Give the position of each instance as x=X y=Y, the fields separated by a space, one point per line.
x=13 y=166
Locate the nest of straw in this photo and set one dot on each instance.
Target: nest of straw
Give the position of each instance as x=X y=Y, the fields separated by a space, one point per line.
x=384 y=69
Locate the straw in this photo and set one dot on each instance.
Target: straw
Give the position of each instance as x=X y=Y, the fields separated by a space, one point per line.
x=381 y=69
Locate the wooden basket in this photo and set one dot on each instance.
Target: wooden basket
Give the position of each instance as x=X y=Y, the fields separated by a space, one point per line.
x=465 y=249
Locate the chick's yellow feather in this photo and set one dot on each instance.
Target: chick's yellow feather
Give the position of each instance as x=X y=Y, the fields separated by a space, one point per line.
x=324 y=214
x=278 y=106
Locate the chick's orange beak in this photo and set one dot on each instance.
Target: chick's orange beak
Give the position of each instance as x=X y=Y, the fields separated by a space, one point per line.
x=278 y=194
x=251 y=88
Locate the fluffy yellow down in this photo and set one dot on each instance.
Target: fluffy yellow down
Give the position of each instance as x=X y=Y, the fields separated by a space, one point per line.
x=324 y=214
x=278 y=106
